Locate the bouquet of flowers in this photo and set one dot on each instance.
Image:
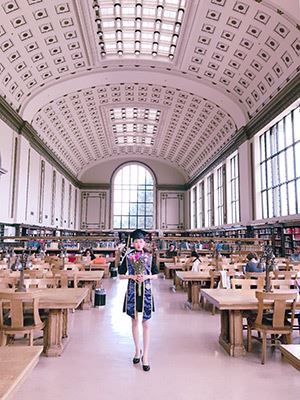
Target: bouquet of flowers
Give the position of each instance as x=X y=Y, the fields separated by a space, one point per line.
x=138 y=261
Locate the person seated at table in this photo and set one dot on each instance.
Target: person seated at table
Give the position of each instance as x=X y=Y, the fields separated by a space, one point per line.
x=253 y=265
x=89 y=253
x=171 y=252
x=196 y=261
x=295 y=257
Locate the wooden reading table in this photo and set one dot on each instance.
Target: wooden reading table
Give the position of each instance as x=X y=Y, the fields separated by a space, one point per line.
x=58 y=302
x=194 y=281
x=231 y=303
x=16 y=362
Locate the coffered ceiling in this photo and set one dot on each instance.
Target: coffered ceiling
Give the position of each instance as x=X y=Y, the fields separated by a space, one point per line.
x=173 y=80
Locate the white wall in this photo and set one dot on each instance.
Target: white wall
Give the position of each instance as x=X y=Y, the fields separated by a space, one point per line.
x=33 y=205
x=171 y=210
x=102 y=172
x=7 y=138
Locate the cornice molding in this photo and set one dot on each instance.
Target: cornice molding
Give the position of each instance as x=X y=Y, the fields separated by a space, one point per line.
x=171 y=187
x=94 y=186
x=277 y=104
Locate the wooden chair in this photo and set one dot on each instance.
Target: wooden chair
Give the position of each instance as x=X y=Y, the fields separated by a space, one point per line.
x=71 y=267
x=39 y=283
x=285 y=284
x=247 y=284
x=16 y=320
x=215 y=277
x=255 y=275
x=62 y=278
x=277 y=322
x=285 y=274
x=296 y=268
x=4 y=283
x=35 y=273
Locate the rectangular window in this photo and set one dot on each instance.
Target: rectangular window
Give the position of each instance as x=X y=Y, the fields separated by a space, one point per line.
x=210 y=200
x=234 y=189
x=201 y=205
x=279 y=169
x=194 y=207
x=220 y=189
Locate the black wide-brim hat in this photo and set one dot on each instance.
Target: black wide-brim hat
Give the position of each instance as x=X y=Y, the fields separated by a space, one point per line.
x=138 y=234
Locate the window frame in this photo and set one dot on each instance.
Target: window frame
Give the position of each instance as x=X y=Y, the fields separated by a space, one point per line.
x=137 y=215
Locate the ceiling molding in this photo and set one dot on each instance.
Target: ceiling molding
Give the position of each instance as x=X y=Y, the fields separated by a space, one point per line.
x=171 y=187
x=94 y=186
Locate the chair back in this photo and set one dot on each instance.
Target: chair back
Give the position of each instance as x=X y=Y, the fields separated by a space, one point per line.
x=16 y=303
x=62 y=278
x=285 y=274
x=35 y=273
x=255 y=275
x=71 y=267
x=206 y=268
x=247 y=284
x=283 y=284
x=278 y=302
x=4 y=273
x=39 y=283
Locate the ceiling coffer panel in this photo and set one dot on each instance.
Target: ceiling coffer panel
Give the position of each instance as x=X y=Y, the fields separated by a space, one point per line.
x=247 y=48
x=141 y=119
x=39 y=41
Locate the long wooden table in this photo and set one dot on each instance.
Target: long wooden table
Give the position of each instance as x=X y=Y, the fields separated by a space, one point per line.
x=171 y=267
x=231 y=303
x=194 y=281
x=94 y=267
x=58 y=302
x=16 y=362
x=89 y=279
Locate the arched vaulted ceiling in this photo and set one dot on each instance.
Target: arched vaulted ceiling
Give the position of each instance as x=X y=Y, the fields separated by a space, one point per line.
x=172 y=80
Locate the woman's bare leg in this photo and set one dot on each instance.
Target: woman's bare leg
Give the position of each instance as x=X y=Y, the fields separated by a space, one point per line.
x=146 y=341
x=135 y=335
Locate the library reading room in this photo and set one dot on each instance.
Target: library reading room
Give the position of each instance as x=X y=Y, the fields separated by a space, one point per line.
x=149 y=199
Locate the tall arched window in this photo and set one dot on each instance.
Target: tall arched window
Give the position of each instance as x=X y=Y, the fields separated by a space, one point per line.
x=133 y=197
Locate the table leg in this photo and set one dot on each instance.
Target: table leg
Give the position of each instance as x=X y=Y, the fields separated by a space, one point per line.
x=195 y=296
x=87 y=301
x=3 y=339
x=176 y=281
x=189 y=293
x=231 y=336
x=167 y=273
x=53 y=334
x=65 y=323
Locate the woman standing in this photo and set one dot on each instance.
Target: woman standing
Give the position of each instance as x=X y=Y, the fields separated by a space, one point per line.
x=138 y=268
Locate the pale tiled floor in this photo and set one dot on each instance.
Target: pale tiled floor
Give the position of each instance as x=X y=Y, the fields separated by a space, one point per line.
x=186 y=359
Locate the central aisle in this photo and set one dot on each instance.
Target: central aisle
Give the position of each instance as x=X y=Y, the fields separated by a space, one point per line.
x=186 y=360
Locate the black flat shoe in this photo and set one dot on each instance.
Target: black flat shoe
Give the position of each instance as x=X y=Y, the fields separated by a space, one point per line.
x=145 y=367
x=136 y=360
